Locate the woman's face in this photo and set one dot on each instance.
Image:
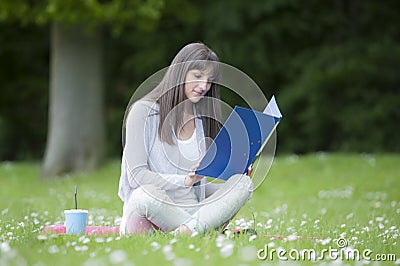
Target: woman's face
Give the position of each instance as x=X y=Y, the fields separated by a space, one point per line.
x=197 y=84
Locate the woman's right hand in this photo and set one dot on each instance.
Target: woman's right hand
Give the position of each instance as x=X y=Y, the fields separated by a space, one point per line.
x=192 y=178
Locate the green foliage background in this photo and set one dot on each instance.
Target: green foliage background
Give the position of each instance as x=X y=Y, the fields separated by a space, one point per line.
x=333 y=65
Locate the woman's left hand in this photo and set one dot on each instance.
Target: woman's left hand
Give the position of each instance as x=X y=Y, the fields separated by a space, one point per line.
x=250 y=170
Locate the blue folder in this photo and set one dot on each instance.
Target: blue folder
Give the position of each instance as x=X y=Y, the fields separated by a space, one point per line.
x=239 y=141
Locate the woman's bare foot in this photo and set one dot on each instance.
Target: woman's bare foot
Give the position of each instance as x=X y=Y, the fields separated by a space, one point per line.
x=184 y=230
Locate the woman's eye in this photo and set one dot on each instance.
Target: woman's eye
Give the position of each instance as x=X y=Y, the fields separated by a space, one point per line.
x=197 y=76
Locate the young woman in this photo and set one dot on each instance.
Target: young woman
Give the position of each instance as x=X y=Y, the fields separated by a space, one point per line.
x=166 y=134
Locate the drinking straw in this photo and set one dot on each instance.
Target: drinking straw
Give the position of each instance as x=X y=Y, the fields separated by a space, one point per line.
x=76 y=202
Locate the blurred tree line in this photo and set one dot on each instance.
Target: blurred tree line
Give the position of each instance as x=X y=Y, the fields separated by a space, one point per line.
x=333 y=65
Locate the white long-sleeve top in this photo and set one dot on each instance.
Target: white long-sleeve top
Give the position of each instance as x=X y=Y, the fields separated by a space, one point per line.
x=147 y=160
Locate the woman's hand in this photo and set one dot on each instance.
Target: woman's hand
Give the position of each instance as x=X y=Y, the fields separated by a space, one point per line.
x=250 y=170
x=192 y=178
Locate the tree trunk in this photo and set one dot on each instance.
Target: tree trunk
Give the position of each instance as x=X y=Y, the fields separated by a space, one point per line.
x=76 y=132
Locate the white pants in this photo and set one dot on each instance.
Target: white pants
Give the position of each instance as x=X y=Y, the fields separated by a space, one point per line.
x=150 y=203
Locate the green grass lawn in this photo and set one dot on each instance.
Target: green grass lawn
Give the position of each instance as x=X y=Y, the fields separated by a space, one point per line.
x=306 y=202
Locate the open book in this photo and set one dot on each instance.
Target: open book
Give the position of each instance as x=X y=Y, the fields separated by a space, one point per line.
x=240 y=141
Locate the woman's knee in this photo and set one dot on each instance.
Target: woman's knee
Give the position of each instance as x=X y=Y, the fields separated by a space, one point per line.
x=241 y=182
x=135 y=211
x=143 y=197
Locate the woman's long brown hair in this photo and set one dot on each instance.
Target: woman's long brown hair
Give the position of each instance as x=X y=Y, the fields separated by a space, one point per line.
x=169 y=93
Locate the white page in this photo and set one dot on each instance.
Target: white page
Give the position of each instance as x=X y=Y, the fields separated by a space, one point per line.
x=272 y=108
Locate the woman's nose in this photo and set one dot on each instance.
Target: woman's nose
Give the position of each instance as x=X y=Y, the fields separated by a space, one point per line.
x=203 y=84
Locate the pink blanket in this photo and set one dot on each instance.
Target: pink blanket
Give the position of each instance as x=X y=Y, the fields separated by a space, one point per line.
x=90 y=230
